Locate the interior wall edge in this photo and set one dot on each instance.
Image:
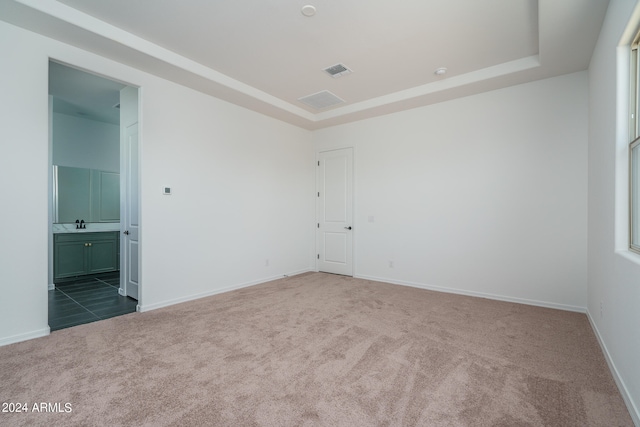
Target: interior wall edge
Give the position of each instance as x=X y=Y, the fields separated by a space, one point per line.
x=148 y=307
x=496 y=297
x=38 y=333
x=634 y=412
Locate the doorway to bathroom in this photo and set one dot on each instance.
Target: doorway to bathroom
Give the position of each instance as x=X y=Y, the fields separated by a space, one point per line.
x=93 y=244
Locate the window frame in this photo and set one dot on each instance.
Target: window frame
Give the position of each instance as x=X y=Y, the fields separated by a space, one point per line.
x=633 y=90
x=634 y=138
x=633 y=184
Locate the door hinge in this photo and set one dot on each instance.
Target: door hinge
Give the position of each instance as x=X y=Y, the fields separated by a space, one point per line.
x=318 y=256
x=318 y=162
x=318 y=225
x=318 y=194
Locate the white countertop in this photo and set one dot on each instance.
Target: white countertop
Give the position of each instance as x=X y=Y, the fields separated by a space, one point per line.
x=92 y=227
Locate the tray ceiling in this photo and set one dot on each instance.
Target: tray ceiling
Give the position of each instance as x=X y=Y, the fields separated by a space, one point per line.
x=266 y=55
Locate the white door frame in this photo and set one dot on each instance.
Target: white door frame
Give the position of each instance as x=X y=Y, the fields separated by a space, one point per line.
x=70 y=64
x=353 y=203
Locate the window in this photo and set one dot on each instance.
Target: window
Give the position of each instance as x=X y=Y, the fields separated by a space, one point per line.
x=634 y=150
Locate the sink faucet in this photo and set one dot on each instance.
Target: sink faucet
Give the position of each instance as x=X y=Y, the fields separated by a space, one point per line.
x=82 y=224
x=77 y=224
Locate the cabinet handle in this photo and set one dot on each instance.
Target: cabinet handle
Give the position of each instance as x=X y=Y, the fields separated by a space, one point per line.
x=86 y=244
x=89 y=244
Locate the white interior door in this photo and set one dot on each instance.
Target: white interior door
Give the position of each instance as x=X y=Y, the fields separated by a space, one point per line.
x=334 y=238
x=131 y=219
x=129 y=206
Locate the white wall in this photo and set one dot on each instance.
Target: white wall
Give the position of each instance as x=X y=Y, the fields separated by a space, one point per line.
x=242 y=192
x=484 y=195
x=242 y=187
x=84 y=143
x=614 y=276
x=24 y=168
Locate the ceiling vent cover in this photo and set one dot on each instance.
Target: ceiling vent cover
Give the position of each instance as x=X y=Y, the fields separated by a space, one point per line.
x=337 y=70
x=321 y=100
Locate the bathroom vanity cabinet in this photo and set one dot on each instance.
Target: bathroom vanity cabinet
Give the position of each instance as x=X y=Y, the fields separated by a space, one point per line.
x=78 y=254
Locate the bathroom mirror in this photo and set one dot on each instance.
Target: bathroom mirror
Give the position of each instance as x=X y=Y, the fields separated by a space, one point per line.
x=85 y=194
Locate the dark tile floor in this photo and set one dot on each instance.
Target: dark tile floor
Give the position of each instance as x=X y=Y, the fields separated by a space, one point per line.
x=87 y=300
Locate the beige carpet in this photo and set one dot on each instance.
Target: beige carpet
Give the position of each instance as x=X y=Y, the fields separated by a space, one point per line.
x=319 y=350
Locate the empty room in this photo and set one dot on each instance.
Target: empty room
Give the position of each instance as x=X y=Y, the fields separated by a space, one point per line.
x=321 y=213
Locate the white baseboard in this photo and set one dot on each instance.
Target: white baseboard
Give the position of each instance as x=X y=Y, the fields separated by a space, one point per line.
x=24 y=337
x=52 y=286
x=477 y=294
x=633 y=409
x=121 y=292
x=149 y=307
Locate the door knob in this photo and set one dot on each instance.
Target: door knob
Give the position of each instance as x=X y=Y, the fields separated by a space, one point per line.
x=347 y=228
x=126 y=232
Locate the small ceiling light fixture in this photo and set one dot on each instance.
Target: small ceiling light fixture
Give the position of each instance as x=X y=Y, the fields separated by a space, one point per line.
x=440 y=71
x=308 y=10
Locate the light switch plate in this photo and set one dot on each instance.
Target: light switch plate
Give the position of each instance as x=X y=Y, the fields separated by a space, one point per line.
x=166 y=191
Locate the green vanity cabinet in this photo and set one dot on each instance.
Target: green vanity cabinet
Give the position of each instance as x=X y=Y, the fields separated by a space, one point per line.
x=78 y=254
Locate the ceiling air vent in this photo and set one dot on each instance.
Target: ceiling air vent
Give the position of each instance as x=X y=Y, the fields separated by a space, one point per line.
x=321 y=100
x=337 y=70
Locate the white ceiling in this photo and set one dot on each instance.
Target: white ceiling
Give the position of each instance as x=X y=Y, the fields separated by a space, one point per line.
x=264 y=54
